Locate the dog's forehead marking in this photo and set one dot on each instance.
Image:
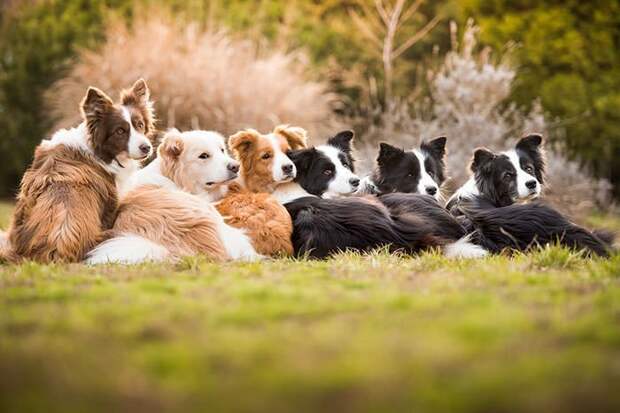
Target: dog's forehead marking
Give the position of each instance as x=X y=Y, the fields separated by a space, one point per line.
x=331 y=153
x=204 y=141
x=425 y=178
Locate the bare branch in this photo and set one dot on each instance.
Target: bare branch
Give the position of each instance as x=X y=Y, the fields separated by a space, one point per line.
x=382 y=12
x=417 y=37
x=411 y=10
x=364 y=28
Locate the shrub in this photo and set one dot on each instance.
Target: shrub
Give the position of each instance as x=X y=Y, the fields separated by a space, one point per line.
x=467 y=99
x=199 y=78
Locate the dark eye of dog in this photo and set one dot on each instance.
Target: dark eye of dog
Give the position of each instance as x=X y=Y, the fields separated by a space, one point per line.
x=266 y=156
x=204 y=155
x=328 y=172
x=508 y=175
x=140 y=125
x=529 y=169
x=410 y=175
x=222 y=150
x=120 y=131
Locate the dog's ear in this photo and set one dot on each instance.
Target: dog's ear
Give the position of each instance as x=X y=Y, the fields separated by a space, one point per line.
x=296 y=137
x=435 y=147
x=388 y=153
x=342 y=140
x=242 y=141
x=138 y=94
x=482 y=156
x=532 y=144
x=171 y=146
x=302 y=158
x=95 y=103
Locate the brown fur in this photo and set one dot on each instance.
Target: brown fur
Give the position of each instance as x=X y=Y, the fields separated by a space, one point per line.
x=266 y=222
x=66 y=201
x=179 y=221
x=249 y=146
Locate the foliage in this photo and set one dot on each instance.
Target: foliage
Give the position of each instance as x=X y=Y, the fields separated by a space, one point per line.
x=355 y=333
x=199 y=79
x=569 y=56
x=467 y=103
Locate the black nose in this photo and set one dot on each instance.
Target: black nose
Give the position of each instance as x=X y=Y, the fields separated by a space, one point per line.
x=355 y=182
x=233 y=167
x=531 y=184
x=145 y=148
x=431 y=190
x=288 y=168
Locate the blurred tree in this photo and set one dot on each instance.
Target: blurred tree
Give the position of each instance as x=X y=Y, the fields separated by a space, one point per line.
x=569 y=57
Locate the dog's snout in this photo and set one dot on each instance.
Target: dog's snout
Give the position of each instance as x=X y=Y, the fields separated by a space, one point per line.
x=288 y=168
x=145 y=148
x=233 y=167
x=431 y=190
x=531 y=184
x=355 y=182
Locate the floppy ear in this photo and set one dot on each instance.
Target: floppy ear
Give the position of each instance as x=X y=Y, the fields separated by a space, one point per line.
x=436 y=147
x=388 y=152
x=95 y=103
x=242 y=141
x=296 y=137
x=302 y=158
x=171 y=146
x=532 y=144
x=482 y=156
x=342 y=140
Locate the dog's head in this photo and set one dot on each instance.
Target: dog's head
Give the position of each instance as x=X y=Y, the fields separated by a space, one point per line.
x=264 y=163
x=196 y=161
x=327 y=170
x=121 y=131
x=419 y=171
x=507 y=177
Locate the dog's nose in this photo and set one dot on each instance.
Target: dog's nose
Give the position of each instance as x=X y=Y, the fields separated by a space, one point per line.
x=531 y=184
x=355 y=182
x=233 y=167
x=288 y=168
x=145 y=148
x=431 y=190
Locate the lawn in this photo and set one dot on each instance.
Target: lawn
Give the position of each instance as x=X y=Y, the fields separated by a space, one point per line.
x=378 y=333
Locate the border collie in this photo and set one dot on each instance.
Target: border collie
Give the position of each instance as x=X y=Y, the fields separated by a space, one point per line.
x=68 y=196
x=323 y=226
x=419 y=171
x=164 y=214
x=488 y=199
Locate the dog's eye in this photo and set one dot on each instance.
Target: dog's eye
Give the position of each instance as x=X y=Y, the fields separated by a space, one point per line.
x=120 y=131
x=328 y=172
x=409 y=175
x=529 y=169
x=266 y=156
x=508 y=176
x=140 y=125
x=222 y=150
x=204 y=155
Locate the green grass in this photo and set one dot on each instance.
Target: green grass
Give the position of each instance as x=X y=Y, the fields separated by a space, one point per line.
x=378 y=333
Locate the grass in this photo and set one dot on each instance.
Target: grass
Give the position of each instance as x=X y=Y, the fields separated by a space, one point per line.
x=377 y=333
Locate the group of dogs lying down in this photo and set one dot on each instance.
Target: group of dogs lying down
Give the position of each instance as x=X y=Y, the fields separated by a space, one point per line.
x=87 y=198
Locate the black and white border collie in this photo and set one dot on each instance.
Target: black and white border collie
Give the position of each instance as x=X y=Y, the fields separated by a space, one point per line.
x=419 y=171
x=325 y=223
x=489 y=203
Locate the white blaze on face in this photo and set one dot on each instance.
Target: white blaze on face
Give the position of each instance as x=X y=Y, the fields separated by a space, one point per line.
x=281 y=162
x=343 y=177
x=136 y=139
x=523 y=178
x=426 y=182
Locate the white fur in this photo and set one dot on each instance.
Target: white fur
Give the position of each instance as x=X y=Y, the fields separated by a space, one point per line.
x=340 y=183
x=127 y=249
x=76 y=138
x=463 y=248
x=280 y=160
x=426 y=181
x=469 y=190
x=288 y=192
x=367 y=186
x=523 y=177
x=237 y=244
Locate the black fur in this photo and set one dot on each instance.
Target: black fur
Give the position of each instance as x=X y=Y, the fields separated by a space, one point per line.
x=399 y=170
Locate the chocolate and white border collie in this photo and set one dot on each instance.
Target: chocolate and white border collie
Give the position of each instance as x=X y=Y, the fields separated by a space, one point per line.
x=497 y=222
x=419 y=171
x=68 y=196
x=325 y=222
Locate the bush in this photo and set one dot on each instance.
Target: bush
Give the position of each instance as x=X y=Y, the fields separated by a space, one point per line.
x=467 y=103
x=199 y=78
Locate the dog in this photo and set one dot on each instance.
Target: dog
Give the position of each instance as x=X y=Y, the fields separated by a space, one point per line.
x=326 y=221
x=487 y=203
x=167 y=212
x=419 y=171
x=68 y=196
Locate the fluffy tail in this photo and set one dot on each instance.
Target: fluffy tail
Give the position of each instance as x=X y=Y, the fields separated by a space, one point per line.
x=126 y=249
x=464 y=248
x=520 y=227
